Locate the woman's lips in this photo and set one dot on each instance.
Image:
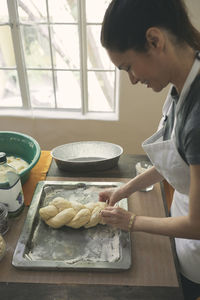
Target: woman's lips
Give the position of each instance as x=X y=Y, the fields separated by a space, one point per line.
x=146 y=82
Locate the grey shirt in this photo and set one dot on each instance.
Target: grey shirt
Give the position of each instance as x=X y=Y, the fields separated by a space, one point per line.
x=187 y=130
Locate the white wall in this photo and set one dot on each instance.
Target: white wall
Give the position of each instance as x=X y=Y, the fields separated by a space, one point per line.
x=140 y=111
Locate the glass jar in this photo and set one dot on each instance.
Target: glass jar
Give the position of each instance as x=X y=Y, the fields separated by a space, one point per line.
x=2 y=247
x=11 y=193
x=3 y=219
x=141 y=167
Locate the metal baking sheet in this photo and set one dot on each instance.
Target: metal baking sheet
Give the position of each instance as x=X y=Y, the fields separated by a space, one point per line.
x=99 y=248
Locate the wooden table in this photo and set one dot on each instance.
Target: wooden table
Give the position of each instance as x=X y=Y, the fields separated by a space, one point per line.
x=153 y=274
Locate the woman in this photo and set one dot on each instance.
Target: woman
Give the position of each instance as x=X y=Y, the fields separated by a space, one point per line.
x=155 y=42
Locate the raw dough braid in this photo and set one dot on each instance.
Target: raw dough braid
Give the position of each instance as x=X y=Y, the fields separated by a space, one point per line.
x=62 y=212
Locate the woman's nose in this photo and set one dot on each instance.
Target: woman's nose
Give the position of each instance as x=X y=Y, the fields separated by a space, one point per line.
x=132 y=78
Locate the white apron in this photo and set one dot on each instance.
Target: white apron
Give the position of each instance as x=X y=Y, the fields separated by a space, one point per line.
x=167 y=160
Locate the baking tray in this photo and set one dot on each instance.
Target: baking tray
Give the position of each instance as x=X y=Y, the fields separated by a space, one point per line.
x=99 y=248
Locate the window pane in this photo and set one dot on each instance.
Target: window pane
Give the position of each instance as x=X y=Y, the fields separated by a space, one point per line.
x=68 y=92
x=9 y=89
x=4 y=12
x=101 y=91
x=95 y=10
x=65 y=43
x=32 y=10
x=63 y=11
x=97 y=56
x=41 y=89
x=7 y=57
x=36 y=46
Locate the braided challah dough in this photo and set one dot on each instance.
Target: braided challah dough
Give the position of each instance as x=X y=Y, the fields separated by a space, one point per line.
x=62 y=212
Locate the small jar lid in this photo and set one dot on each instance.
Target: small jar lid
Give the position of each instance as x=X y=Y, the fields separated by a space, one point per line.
x=3 y=157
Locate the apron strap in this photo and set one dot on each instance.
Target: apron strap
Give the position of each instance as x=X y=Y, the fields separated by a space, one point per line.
x=166 y=109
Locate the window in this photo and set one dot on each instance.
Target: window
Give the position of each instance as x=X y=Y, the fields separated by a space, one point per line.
x=51 y=59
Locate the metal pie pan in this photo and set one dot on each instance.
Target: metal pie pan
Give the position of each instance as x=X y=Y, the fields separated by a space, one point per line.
x=87 y=156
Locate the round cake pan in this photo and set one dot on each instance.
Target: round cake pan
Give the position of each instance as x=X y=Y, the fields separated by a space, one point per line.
x=87 y=156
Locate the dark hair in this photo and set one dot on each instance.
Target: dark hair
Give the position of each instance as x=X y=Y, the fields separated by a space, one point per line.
x=126 y=22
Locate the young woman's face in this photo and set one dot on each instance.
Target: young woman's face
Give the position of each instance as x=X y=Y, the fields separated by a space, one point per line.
x=146 y=68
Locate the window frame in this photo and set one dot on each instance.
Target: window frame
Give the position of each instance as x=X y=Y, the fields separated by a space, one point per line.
x=58 y=113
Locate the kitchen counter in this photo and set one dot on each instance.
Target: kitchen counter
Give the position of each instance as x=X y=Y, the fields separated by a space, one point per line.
x=154 y=271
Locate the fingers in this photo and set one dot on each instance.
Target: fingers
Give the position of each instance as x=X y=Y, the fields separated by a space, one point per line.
x=112 y=202
x=108 y=211
x=112 y=215
x=103 y=196
x=110 y=196
x=116 y=217
x=108 y=216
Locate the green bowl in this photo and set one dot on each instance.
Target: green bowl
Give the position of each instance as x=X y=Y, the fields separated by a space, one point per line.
x=23 y=146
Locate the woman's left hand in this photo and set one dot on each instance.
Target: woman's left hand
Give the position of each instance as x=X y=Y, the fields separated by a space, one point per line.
x=116 y=217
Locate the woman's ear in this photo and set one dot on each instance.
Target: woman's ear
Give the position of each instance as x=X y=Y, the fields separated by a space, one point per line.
x=155 y=38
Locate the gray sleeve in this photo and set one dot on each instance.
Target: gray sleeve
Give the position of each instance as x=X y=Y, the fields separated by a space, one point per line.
x=191 y=140
x=189 y=125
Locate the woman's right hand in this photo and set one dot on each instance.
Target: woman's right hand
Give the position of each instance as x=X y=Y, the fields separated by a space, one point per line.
x=111 y=196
